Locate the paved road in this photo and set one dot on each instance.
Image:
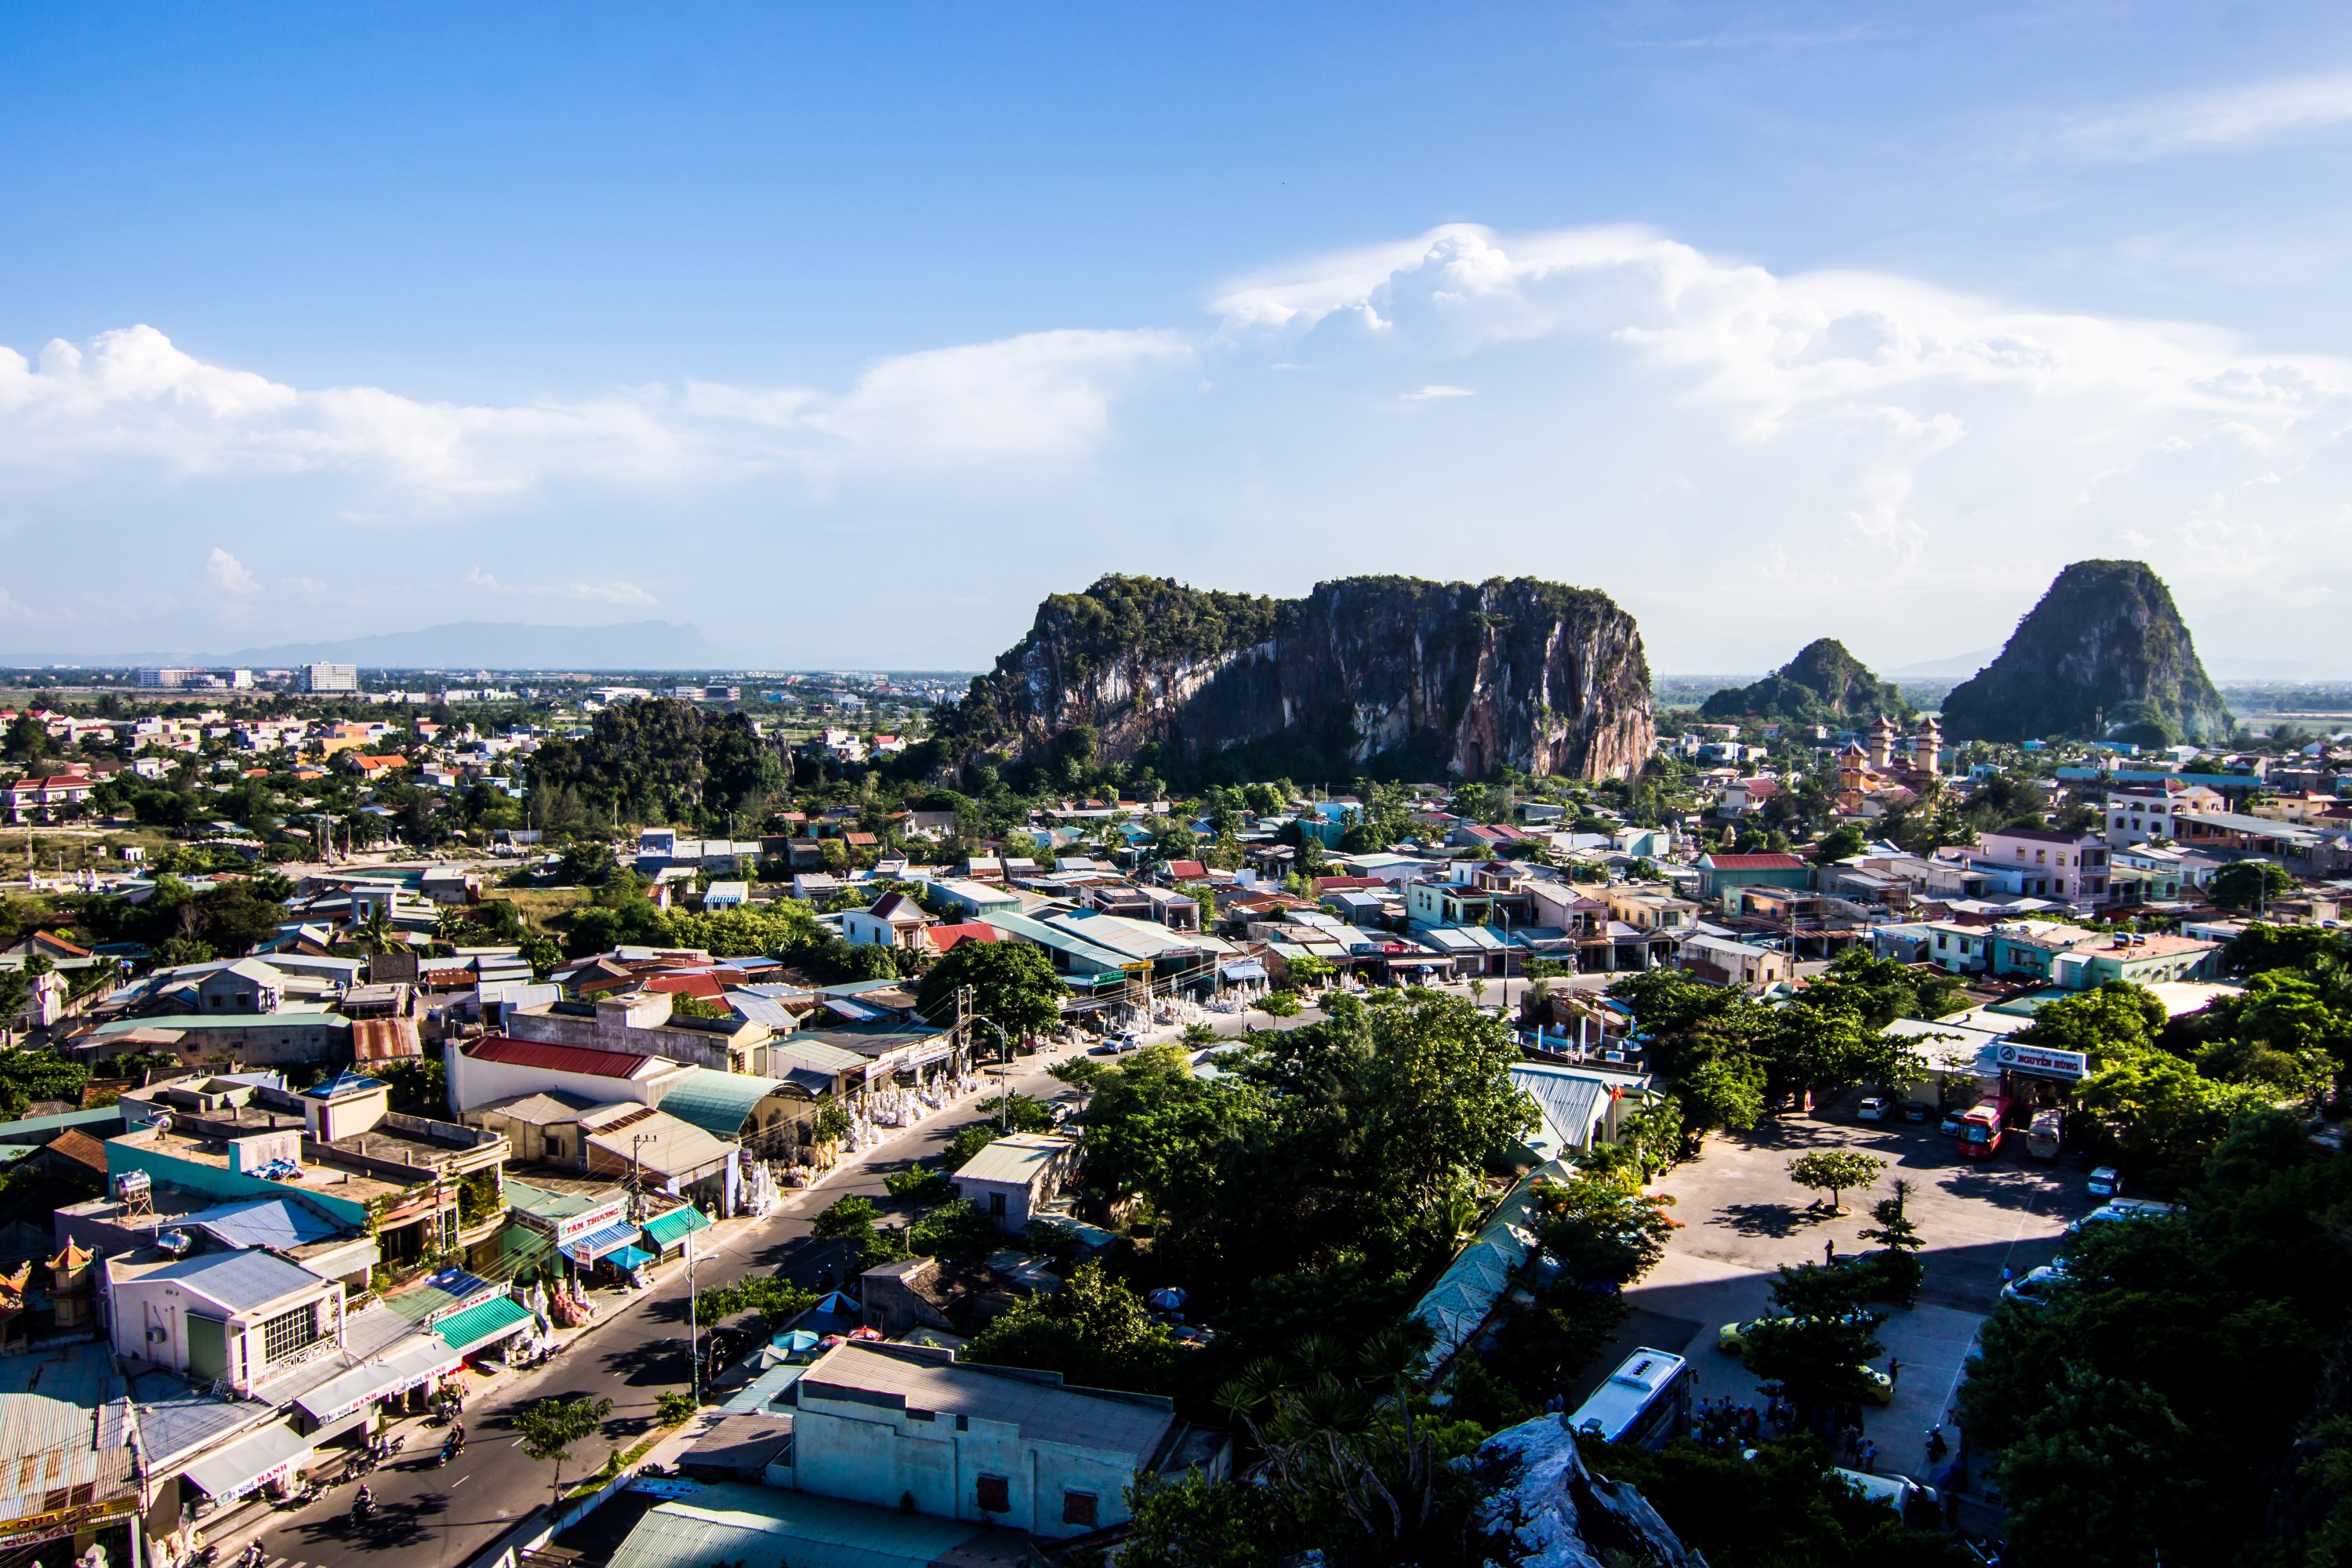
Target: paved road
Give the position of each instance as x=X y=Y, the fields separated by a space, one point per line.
x=429 y=1517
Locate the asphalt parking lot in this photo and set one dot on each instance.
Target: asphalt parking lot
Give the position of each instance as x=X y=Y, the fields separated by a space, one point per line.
x=1742 y=1218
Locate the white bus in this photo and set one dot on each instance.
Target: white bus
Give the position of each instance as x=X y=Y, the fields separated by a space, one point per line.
x=1645 y=1401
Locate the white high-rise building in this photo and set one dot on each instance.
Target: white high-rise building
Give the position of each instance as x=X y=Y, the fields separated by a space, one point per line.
x=331 y=677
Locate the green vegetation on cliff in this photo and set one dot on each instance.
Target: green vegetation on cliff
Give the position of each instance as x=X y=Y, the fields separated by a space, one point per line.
x=2104 y=655
x=1824 y=684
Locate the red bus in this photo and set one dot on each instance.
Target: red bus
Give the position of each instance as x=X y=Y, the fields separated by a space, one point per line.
x=1981 y=1129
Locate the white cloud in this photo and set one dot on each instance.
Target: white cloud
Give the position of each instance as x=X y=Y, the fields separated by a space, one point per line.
x=1684 y=430
x=228 y=573
x=2191 y=123
x=133 y=395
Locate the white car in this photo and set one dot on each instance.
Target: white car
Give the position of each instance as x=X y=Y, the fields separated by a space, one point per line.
x=1873 y=1110
x=2033 y=1286
x=2106 y=1182
x=2123 y=1208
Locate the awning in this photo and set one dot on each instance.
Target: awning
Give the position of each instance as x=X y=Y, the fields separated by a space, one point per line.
x=666 y=1230
x=487 y=1324
x=630 y=1257
x=1249 y=969
x=415 y=1365
x=586 y=1249
x=269 y=1455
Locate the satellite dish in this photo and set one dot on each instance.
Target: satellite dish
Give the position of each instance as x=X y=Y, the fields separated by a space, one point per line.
x=161 y=1123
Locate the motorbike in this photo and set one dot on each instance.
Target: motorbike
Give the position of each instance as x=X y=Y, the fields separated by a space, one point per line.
x=300 y=1495
x=449 y=1451
x=362 y=1507
x=1935 y=1444
x=207 y=1557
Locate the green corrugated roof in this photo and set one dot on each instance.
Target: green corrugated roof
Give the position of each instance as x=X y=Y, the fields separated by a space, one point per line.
x=675 y=1226
x=476 y=1324
x=718 y=1101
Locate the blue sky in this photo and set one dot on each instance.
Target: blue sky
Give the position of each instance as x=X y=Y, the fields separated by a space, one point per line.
x=848 y=336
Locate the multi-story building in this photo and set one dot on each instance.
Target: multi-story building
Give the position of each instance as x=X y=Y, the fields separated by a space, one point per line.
x=2047 y=865
x=330 y=678
x=2136 y=815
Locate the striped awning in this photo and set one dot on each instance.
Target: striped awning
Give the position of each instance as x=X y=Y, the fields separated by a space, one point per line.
x=586 y=1249
x=491 y=1322
x=666 y=1230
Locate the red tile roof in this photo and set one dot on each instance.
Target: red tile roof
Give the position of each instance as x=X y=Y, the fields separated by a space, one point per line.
x=1345 y=884
x=554 y=1057
x=1187 y=870
x=706 y=987
x=943 y=937
x=1755 y=862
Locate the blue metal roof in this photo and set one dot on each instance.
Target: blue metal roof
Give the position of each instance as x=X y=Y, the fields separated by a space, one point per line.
x=239 y=1281
x=280 y=1224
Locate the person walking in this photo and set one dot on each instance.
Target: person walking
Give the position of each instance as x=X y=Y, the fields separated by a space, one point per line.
x=1894 y=1370
x=1829 y=1253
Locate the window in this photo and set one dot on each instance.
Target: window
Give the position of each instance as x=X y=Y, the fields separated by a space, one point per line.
x=1078 y=1508
x=283 y=1335
x=996 y=1205
x=995 y=1495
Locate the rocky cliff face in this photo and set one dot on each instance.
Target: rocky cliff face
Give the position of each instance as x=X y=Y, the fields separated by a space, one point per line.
x=2105 y=654
x=1540 y=1508
x=1389 y=675
x=1824 y=684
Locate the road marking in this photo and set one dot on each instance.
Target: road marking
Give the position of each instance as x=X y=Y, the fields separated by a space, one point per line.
x=460 y=1481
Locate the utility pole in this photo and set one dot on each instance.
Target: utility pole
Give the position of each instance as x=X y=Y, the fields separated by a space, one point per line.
x=693 y=1326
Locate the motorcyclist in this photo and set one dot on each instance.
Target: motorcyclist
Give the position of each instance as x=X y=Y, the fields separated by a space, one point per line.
x=363 y=1505
x=458 y=1435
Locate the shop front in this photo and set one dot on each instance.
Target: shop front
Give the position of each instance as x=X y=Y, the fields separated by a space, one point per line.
x=346 y=1402
x=268 y=1457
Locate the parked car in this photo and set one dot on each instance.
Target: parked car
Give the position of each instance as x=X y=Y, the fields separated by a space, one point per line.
x=1952 y=1123
x=1915 y=1111
x=2123 y=1208
x=2106 y=1182
x=2032 y=1286
x=1914 y=1501
x=1874 y=1108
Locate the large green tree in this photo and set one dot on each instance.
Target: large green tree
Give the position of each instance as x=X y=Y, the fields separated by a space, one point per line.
x=1013 y=985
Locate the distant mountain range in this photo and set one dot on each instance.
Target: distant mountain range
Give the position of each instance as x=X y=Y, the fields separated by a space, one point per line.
x=476 y=644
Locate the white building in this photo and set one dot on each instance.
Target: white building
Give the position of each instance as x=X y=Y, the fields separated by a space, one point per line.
x=1013 y=1177
x=903 y=1428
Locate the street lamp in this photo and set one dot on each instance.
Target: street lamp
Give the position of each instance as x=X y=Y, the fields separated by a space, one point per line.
x=1004 y=1089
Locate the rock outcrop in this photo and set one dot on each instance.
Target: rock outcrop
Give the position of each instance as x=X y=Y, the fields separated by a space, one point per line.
x=1824 y=684
x=2104 y=655
x=1387 y=675
x=1540 y=1508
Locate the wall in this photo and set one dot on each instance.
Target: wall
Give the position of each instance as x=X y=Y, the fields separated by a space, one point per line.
x=876 y=1456
x=219 y=1182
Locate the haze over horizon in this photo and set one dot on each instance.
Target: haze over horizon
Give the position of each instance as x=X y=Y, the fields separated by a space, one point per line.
x=1772 y=322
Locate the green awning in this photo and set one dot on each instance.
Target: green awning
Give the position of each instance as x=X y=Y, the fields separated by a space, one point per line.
x=475 y=1327
x=666 y=1230
x=717 y=1102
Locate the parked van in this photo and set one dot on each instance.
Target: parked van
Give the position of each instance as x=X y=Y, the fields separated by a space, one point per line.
x=2042 y=1139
